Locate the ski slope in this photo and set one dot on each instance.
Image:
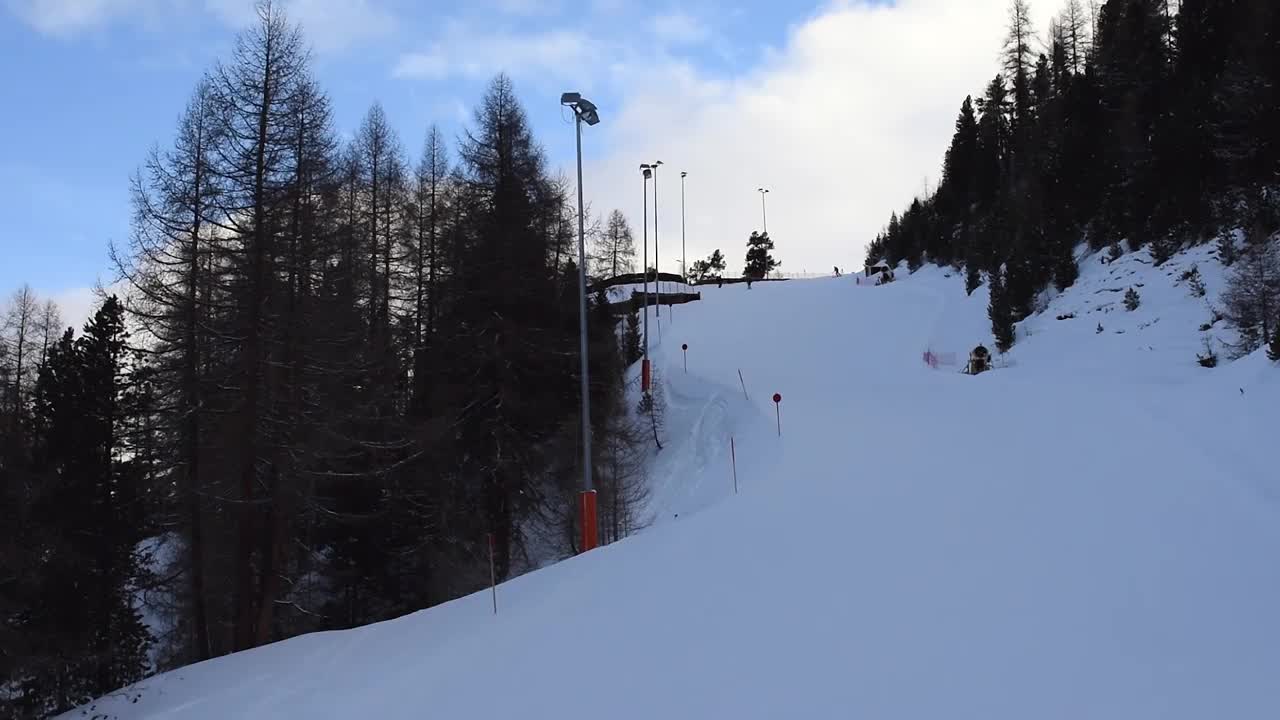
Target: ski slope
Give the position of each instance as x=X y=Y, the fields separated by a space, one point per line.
x=1090 y=532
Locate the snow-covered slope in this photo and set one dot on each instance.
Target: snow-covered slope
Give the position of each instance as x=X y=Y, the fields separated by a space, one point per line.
x=1089 y=532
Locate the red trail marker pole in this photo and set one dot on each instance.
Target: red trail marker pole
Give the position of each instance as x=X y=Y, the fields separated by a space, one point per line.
x=493 y=577
x=777 y=406
x=733 y=460
x=590 y=532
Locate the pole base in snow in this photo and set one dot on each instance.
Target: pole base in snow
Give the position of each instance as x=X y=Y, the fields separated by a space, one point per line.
x=587 y=513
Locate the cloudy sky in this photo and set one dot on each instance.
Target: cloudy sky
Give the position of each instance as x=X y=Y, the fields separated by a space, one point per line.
x=843 y=109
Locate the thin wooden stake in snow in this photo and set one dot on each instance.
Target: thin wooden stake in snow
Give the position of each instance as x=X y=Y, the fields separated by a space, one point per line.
x=493 y=576
x=733 y=460
x=777 y=406
x=744 y=384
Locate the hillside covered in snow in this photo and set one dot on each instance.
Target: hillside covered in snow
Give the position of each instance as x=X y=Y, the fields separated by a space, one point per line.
x=1089 y=530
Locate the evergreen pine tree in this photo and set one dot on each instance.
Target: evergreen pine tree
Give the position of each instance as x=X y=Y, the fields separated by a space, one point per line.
x=972 y=274
x=89 y=637
x=760 y=261
x=1131 y=300
x=1001 y=313
x=716 y=264
x=1065 y=269
x=631 y=340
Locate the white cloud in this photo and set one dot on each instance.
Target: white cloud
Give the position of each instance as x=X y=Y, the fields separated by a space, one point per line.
x=461 y=52
x=68 y=17
x=330 y=25
x=333 y=26
x=75 y=305
x=679 y=28
x=843 y=123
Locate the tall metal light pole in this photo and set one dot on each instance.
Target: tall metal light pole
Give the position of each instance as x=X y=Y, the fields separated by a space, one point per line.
x=646 y=171
x=764 y=219
x=657 y=259
x=584 y=111
x=684 y=263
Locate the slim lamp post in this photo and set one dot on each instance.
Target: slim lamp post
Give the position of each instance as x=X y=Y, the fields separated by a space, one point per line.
x=646 y=171
x=684 y=262
x=764 y=218
x=584 y=111
x=657 y=284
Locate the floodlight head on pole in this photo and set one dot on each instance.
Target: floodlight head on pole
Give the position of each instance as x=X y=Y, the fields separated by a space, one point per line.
x=586 y=110
x=683 y=173
x=647 y=170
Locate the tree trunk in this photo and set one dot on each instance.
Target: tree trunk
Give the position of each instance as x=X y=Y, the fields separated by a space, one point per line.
x=251 y=363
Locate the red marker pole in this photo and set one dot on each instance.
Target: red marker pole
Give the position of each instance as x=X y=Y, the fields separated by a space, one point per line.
x=777 y=406
x=590 y=530
x=493 y=577
x=685 y=349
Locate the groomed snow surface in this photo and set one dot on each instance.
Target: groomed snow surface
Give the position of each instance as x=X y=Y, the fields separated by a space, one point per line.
x=1090 y=531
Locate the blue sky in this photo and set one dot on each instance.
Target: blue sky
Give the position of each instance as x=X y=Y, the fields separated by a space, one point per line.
x=98 y=91
x=718 y=88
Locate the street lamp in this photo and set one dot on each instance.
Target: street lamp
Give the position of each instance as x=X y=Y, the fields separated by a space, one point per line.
x=657 y=284
x=646 y=171
x=764 y=219
x=584 y=111
x=684 y=266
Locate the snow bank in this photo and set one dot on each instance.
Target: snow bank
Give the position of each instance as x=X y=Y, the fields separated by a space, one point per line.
x=1089 y=532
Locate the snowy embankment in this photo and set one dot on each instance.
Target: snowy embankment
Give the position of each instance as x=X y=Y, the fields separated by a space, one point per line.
x=1091 y=531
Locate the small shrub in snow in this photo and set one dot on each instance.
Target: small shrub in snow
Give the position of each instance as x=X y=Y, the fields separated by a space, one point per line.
x=1099 y=330
x=1215 y=315
x=1162 y=249
x=1066 y=316
x=1114 y=252
x=1132 y=300
x=1209 y=358
x=1193 y=279
x=1206 y=327
x=653 y=407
